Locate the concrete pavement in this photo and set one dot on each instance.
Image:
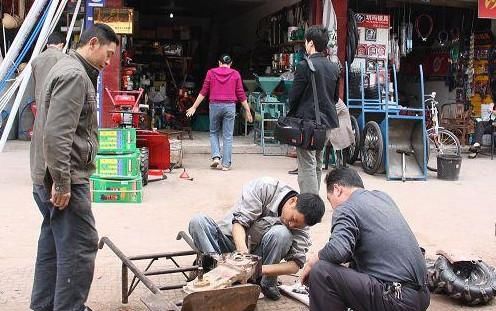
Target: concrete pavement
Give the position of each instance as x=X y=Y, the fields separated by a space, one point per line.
x=455 y=216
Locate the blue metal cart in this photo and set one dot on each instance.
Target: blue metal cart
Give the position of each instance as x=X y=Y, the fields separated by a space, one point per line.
x=392 y=137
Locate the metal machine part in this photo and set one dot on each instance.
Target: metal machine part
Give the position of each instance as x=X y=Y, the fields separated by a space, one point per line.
x=231 y=269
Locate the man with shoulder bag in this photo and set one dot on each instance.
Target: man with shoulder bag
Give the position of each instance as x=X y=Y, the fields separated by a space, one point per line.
x=312 y=109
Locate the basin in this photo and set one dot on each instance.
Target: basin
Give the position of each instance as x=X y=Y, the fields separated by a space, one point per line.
x=268 y=85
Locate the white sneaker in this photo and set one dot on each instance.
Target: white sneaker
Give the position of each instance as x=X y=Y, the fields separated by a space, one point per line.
x=224 y=168
x=215 y=163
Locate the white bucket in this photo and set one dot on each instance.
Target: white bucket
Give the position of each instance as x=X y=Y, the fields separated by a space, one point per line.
x=176 y=153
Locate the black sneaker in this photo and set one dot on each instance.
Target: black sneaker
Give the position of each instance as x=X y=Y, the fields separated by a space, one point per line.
x=293 y=172
x=271 y=292
x=475 y=149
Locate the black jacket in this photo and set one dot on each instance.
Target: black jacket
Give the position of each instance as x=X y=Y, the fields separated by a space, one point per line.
x=301 y=95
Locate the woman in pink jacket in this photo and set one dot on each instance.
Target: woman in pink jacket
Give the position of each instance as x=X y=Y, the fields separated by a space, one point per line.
x=224 y=88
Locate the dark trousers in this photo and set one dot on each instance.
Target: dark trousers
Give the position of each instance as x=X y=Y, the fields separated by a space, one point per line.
x=67 y=249
x=481 y=128
x=335 y=288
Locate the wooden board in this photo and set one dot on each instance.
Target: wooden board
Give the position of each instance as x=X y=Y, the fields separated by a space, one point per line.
x=236 y=298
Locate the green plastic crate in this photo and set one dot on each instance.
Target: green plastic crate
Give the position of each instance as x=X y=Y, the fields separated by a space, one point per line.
x=123 y=166
x=117 y=140
x=116 y=191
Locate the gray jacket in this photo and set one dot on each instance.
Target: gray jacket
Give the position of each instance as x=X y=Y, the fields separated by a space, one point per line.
x=260 y=200
x=369 y=230
x=64 y=142
x=41 y=67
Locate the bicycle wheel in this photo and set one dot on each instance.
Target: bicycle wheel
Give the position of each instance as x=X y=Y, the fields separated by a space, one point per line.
x=444 y=142
x=372 y=148
x=353 y=151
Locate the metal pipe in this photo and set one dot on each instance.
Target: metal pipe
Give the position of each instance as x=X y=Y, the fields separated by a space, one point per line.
x=168 y=287
x=71 y=27
x=183 y=235
x=149 y=284
x=171 y=270
x=22 y=35
x=162 y=255
x=52 y=15
x=125 y=281
x=135 y=283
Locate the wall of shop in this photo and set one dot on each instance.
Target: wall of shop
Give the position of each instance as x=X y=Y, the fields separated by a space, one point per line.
x=241 y=30
x=443 y=94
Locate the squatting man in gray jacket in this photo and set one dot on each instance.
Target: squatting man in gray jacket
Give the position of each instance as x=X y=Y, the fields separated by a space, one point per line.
x=276 y=218
x=387 y=270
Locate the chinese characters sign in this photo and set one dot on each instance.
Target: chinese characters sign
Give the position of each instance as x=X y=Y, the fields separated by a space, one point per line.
x=120 y=20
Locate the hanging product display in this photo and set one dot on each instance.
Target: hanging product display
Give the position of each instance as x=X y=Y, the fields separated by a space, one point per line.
x=373 y=49
x=394 y=52
x=403 y=39
x=352 y=36
x=443 y=37
x=424 y=18
x=409 y=34
x=482 y=74
x=329 y=20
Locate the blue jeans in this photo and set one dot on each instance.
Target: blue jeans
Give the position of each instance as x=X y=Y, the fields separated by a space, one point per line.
x=209 y=239
x=67 y=249
x=222 y=121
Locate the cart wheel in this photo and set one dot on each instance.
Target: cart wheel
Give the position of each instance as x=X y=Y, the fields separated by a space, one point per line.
x=353 y=151
x=144 y=164
x=372 y=148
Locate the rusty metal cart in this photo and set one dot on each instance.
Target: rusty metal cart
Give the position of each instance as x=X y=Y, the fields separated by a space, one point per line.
x=240 y=297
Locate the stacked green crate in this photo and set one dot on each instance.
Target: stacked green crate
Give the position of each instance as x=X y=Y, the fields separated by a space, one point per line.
x=117 y=178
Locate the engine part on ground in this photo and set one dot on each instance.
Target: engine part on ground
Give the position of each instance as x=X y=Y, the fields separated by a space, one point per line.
x=233 y=268
x=471 y=282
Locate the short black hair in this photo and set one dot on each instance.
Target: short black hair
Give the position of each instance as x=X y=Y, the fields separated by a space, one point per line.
x=345 y=176
x=225 y=59
x=319 y=35
x=102 y=32
x=311 y=206
x=55 y=38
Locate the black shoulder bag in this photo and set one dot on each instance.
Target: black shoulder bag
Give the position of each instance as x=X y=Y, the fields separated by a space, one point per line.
x=306 y=134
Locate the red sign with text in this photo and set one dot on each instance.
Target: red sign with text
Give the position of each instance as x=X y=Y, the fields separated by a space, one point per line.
x=372 y=20
x=487 y=9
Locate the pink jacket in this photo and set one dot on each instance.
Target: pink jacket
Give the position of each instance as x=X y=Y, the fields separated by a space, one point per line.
x=223 y=84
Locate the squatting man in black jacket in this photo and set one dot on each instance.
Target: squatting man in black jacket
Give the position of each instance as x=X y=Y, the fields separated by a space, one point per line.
x=387 y=269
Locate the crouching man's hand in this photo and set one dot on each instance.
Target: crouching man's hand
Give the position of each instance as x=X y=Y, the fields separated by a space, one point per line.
x=308 y=267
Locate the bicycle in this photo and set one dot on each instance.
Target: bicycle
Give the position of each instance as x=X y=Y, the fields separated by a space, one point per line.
x=439 y=139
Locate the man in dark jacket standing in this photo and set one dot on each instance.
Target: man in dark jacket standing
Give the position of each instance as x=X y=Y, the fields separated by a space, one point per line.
x=45 y=61
x=301 y=102
x=63 y=150
x=387 y=269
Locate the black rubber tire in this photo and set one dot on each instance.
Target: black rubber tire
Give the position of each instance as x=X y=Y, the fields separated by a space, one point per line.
x=456 y=149
x=353 y=151
x=372 y=148
x=144 y=164
x=471 y=282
